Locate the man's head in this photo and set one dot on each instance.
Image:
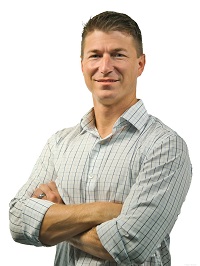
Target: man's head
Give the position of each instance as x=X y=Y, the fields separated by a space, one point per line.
x=113 y=21
x=112 y=59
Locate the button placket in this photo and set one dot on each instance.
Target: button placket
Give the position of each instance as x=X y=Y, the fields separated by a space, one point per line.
x=92 y=177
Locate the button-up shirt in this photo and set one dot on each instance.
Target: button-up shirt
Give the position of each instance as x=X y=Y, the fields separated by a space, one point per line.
x=143 y=164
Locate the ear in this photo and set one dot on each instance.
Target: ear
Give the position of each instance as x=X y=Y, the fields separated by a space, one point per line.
x=141 y=64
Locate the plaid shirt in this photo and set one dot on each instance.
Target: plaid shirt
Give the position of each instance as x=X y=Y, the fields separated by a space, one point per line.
x=143 y=164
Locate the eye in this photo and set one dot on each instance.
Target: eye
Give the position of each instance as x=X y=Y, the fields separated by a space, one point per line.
x=94 y=56
x=118 y=55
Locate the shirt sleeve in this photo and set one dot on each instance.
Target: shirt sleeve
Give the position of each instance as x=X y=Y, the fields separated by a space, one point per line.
x=26 y=213
x=153 y=204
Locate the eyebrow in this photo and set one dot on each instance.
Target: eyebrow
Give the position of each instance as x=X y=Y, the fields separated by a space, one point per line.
x=114 y=50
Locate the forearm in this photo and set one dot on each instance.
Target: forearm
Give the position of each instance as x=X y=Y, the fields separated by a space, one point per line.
x=62 y=222
x=89 y=242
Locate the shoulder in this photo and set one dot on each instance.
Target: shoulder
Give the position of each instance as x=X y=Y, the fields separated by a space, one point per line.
x=158 y=135
x=64 y=135
x=159 y=131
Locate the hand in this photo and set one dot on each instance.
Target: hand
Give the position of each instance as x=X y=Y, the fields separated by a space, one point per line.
x=50 y=192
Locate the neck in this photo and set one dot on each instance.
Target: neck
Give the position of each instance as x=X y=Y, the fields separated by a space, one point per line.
x=106 y=116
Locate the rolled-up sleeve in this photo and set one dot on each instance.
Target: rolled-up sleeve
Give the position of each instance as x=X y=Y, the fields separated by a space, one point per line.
x=153 y=204
x=32 y=217
x=26 y=214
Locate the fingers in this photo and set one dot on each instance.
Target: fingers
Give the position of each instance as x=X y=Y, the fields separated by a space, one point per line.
x=46 y=189
x=52 y=186
x=39 y=194
x=49 y=192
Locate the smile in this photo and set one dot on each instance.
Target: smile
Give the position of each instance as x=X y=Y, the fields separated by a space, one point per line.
x=106 y=80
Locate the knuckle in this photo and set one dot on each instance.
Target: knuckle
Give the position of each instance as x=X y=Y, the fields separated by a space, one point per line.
x=52 y=185
x=52 y=197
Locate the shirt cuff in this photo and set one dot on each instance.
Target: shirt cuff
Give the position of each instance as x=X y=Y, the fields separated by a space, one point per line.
x=32 y=217
x=110 y=237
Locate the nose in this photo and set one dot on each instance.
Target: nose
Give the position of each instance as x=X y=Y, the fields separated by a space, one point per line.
x=106 y=64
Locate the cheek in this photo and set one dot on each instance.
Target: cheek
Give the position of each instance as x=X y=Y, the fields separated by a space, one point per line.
x=90 y=66
x=134 y=73
x=89 y=73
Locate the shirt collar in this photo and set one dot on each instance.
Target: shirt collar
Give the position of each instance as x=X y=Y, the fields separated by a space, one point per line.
x=136 y=115
x=88 y=121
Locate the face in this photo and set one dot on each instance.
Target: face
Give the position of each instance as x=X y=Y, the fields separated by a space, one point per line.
x=110 y=66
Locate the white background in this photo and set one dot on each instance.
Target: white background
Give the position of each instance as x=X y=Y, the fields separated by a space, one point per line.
x=42 y=91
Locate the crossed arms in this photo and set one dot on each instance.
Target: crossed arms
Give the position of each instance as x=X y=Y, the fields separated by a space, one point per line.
x=75 y=223
x=128 y=233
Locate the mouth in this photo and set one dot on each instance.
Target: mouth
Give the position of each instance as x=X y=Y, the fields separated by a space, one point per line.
x=106 y=80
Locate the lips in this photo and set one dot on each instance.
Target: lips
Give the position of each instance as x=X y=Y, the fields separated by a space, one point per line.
x=106 y=80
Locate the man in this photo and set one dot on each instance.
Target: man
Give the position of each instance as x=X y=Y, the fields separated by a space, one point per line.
x=109 y=190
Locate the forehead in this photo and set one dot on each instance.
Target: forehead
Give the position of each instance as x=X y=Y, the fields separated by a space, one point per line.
x=108 y=40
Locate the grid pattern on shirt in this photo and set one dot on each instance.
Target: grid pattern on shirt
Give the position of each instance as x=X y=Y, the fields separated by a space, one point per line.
x=143 y=164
